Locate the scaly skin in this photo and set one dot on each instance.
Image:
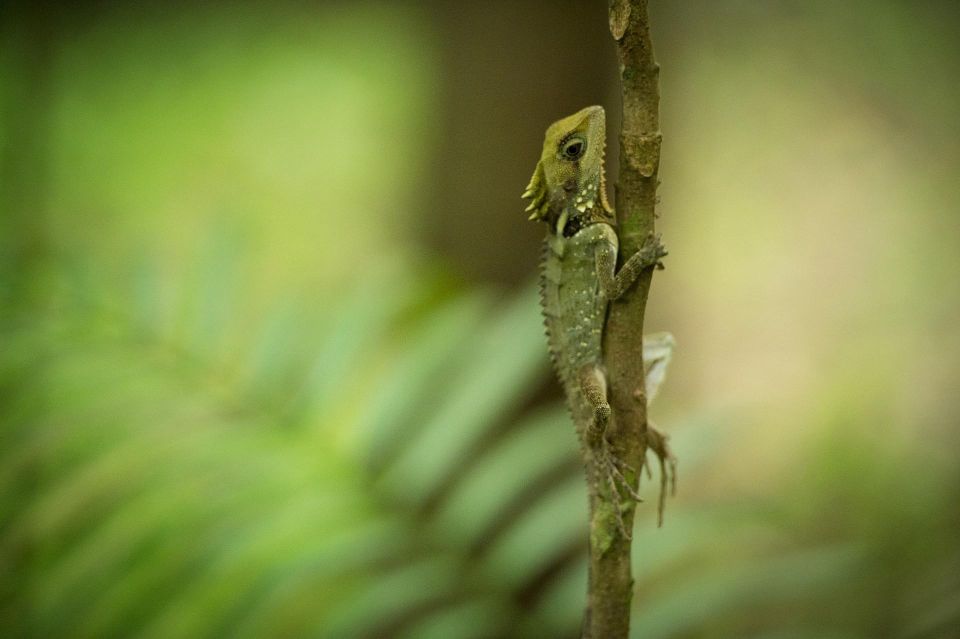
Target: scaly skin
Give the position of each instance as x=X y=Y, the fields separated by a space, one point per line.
x=578 y=280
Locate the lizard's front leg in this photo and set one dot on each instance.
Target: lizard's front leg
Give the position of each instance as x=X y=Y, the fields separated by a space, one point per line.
x=615 y=283
x=608 y=467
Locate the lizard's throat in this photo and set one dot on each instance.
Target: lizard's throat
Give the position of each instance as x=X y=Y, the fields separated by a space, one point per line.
x=569 y=223
x=571 y=219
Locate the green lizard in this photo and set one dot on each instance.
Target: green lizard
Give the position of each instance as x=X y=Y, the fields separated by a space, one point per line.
x=578 y=280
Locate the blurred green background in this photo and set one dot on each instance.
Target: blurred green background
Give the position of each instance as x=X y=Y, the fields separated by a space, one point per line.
x=270 y=357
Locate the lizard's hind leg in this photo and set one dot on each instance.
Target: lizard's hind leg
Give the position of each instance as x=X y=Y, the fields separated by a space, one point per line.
x=593 y=385
x=608 y=467
x=657 y=442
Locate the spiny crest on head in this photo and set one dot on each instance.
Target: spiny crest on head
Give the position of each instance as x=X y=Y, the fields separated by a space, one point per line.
x=570 y=172
x=537 y=193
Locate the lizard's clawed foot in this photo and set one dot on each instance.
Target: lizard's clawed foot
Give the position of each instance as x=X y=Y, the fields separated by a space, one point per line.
x=658 y=443
x=655 y=249
x=611 y=471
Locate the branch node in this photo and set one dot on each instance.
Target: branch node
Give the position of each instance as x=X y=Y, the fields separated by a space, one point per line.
x=642 y=153
x=619 y=18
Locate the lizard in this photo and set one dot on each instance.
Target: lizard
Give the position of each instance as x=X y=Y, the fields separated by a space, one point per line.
x=578 y=280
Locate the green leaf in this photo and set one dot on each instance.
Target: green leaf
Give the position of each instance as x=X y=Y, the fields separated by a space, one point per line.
x=500 y=365
x=545 y=532
x=471 y=620
x=534 y=447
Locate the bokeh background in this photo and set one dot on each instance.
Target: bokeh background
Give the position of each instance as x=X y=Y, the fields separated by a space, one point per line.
x=270 y=358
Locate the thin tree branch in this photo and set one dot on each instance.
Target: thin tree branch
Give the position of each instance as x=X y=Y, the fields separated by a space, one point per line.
x=611 y=583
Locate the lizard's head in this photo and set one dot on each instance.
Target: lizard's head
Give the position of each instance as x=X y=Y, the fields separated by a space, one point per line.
x=568 y=185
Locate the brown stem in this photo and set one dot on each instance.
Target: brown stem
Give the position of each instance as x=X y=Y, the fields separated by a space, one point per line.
x=611 y=584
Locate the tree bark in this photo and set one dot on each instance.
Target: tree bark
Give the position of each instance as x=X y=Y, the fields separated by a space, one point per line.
x=611 y=584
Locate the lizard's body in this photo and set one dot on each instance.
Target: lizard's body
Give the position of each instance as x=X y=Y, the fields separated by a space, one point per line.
x=574 y=310
x=578 y=280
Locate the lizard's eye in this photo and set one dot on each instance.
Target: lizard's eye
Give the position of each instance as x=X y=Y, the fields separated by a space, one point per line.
x=573 y=149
